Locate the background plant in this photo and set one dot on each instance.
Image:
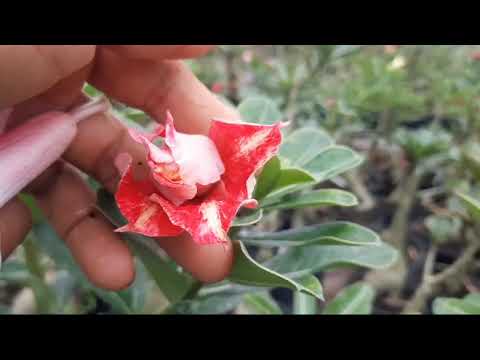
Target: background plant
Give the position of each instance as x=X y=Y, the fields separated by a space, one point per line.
x=381 y=137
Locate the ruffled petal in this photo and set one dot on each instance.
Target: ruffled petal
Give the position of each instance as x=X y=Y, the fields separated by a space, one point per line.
x=196 y=155
x=207 y=219
x=182 y=164
x=244 y=148
x=139 y=136
x=164 y=171
x=177 y=193
x=144 y=216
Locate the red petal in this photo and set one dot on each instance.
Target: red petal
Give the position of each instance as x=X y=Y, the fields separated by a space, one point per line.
x=144 y=216
x=177 y=193
x=244 y=149
x=207 y=220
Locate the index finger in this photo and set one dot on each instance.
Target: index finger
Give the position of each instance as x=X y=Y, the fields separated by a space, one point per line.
x=29 y=70
x=156 y=87
x=161 y=52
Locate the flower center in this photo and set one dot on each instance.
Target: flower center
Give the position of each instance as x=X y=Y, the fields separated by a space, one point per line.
x=169 y=171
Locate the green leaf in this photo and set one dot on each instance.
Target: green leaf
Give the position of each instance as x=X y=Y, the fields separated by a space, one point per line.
x=128 y=120
x=37 y=215
x=318 y=198
x=307 y=157
x=336 y=233
x=443 y=228
x=117 y=304
x=345 y=50
x=207 y=305
x=332 y=162
x=173 y=283
x=252 y=218
x=14 y=271
x=451 y=306
x=356 y=299
x=303 y=145
x=48 y=240
x=64 y=289
x=470 y=156
x=325 y=165
x=473 y=299
x=303 y=304
x=423 y=143
x=472 y=205
x=135 y=114
x=135 y=294
x=91 y=91
x=247 y=271
x=274 y=178
x=263 y=304
x=56 y=249
x=267 y=179
x=299 y=261
x=311 y=282
x=107 y=205
x=259 y=110
x=292 y=176
x=288 y=181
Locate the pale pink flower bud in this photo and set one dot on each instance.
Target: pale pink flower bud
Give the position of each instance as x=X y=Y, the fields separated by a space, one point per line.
x=29 y=149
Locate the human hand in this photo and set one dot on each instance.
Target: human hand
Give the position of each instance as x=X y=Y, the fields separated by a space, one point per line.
x=36 y=79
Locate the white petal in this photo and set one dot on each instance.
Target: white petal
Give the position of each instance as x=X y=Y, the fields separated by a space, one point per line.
x=198 y=158
x=197 y=155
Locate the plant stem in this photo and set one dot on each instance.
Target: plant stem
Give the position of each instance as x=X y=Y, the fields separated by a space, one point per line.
x=431 y=284
x=195 y=288
x=419 y=299
x=396 y=235
x=232 y=78
x=304 y=304
x=32 y=259
x=383 y=130
x=366 y=200
x=41 y=291
x=459 y=266
x=291 y=108
x=397 y=232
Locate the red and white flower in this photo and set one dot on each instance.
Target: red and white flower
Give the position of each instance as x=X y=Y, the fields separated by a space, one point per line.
x=194 y=183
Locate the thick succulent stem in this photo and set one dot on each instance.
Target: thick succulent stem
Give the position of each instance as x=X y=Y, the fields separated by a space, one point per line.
x=431 y=284
x=396 y=235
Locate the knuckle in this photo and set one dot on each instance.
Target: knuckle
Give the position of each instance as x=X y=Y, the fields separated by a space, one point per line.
x=162 y=86
x=104 y=168
x=78 y=218
x=63 y=60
